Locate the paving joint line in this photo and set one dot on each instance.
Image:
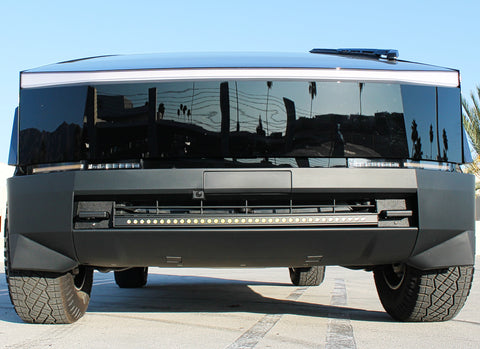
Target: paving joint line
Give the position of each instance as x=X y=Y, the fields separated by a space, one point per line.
x=250 y=338
x=339 y=330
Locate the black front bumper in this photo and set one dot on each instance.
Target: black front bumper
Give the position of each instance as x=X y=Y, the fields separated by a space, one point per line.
x=43 y=237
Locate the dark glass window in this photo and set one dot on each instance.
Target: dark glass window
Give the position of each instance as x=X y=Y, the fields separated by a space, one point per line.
x=182 y=122
x=419 y=105
x=449 y=124
x=433 y=122
x=51 y=121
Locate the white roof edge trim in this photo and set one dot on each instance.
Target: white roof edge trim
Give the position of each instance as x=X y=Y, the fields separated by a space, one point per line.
x=434 y=78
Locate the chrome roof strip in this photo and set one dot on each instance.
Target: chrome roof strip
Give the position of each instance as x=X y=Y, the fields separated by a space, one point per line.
x=435 y=78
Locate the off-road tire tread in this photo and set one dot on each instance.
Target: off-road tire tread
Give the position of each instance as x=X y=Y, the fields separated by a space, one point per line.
x=312 y=276
x=427 y=296
x=46 y=298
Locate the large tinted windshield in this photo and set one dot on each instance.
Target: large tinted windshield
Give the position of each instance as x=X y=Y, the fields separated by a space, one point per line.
x=239 y=120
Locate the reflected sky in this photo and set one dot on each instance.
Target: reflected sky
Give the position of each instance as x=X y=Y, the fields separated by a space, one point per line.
x=251 y=101
x=47 y=108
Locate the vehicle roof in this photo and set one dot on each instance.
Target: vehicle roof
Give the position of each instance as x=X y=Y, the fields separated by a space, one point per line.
x=232 y=60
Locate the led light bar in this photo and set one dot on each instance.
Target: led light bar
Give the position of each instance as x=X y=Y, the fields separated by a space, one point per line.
x=372 y=163
x=60 y=167
x=431 y=166
x=241 y=221
x=434 y=78
x=114 y=166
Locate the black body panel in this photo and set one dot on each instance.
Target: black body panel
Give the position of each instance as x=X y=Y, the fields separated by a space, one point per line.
x=41 y=215
x=244 y=247
x=446 y=220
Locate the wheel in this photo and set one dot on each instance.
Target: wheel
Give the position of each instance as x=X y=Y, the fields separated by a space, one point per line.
x=48 y=298
x=409 y=294
x=312 y=276
x=132 y=278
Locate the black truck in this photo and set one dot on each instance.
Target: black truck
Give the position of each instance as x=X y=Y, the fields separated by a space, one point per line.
x=345 y=157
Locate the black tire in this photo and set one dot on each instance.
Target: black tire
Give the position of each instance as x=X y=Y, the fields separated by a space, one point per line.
x=312 y=276
x=48 y=298
x=409 y=294
x=132 y=278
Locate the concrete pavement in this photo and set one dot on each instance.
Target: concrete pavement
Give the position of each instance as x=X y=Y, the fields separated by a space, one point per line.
x=240 y=308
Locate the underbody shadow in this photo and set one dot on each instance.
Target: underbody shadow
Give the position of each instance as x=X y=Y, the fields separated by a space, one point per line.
x=181 y=294
x=197 y=294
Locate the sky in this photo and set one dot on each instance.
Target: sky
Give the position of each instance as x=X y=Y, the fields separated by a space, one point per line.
x=36 y=33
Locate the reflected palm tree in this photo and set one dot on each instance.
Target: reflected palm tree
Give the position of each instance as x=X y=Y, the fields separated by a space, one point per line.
x=269 y=86
x=236 y=92
x=360 y=88
x=417 y=152
x=312 y=90
x=161 y=110
x=445 y=145
x=183 y=110
x=431 y=141
x=414 y=136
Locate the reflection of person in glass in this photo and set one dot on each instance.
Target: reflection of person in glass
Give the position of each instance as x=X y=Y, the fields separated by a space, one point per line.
x=338 y=148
